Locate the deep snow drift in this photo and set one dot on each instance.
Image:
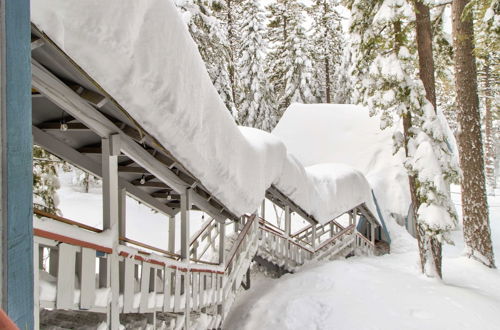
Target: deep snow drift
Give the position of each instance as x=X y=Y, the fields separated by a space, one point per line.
x=386 y=293
x=340 y=133
x=141 y=53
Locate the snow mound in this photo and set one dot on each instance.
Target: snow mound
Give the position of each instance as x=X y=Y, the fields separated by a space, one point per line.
x=142 y=54
x=343 y=133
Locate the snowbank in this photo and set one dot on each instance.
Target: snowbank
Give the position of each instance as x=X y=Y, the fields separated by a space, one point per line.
x=341 y=133
x=387 y=292
x=141 y=53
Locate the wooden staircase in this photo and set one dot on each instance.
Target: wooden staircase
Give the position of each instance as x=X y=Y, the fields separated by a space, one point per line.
x=168 y=292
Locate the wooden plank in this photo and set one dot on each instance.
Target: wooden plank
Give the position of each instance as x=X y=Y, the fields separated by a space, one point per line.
x=145 y=278
x=70 y=240
x=177 y=291
x=168 y=274
x=195 y=292
x=66 y=276
x=87 y=281
x=129 y=287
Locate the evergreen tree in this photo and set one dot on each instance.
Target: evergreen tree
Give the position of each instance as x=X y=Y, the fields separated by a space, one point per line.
x=443 y=60
x=487 y=51
x=327 y=47
x=209 y=33
x=387 y=79
x=45 y=181
x=477 y=234
x=288 y=63
x=344 y=90
x=229 y=13
x=257 y=105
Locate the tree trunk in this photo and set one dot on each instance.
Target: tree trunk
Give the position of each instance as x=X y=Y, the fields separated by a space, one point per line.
x=327 y=65
x=232 y=50
x=424 y=45
x=426 y=73
x=327 y=82
x=415 y=202
x=489 y=139
x=474 y=203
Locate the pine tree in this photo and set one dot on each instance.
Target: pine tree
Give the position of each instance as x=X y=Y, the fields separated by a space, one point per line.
x=209 y=33
x=45 y=181
x=288 y=63
x=476 y=226
x=443 y=60
x=487 y=51
x=327 y=47
x=387 y=79
x=257 y=106
x=229 y=14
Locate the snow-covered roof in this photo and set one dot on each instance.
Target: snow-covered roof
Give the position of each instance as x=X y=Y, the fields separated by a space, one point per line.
x=141 y=54
x=343 y=133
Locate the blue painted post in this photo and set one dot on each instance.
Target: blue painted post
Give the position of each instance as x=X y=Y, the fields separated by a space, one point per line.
x=17 y=180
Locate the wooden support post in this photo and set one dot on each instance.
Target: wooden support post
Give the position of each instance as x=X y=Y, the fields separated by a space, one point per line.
x=288 y=221
x=111 y=218
x=171 y=234
x=123 y=213
x=313 y=237
x=372 y=234
x=222 y=238
x=185 y=207
x=16 y=223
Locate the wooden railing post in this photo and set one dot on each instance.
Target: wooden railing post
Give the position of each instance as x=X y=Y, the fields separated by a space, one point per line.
x=185 y=207
x=313 y=237
x=111 y=218
x=372 y=227
x=171 y=234
x=222 y=237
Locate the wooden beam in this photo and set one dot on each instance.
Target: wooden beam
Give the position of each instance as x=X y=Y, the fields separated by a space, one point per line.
x=153 y=184
x=36 y=43
x=273 y=193
x=72 y=103
x=86 y=163
x=132 y=169
x=52 y=125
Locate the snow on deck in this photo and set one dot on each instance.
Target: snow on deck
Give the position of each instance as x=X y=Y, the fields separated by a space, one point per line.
x=141 y=53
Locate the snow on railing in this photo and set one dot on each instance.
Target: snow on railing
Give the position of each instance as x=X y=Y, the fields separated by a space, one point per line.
x=239 y=259
x=74 y=274
x=203 y=240
x=364 y=245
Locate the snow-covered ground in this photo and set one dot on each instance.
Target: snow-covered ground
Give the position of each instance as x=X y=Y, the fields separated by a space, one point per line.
x=386 y=292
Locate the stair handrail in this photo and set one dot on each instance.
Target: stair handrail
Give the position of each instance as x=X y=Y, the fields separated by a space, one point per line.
x=239 y=240
x=365 y=239
x=201 y=230
x=65 y=220
x=335 y=237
